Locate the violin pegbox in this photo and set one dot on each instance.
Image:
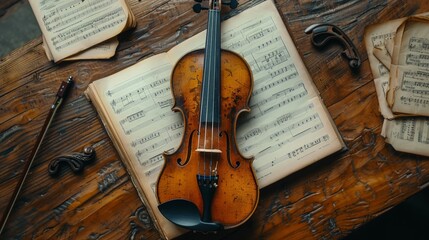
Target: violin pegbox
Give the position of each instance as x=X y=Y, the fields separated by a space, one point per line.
x=233 y=4
x=213 y=4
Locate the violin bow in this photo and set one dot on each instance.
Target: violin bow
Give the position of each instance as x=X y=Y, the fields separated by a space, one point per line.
x=65 y=85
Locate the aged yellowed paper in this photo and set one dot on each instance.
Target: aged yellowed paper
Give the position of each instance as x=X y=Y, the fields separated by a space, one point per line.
x=408 y=91
x=71 y=26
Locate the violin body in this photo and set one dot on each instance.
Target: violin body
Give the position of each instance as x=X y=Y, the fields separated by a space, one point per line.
x=207 y=168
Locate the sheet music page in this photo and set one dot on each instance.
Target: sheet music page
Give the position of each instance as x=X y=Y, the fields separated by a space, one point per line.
x=375 y=37
x=70 y=26
x=405 y=134
x=409 y=135
x=288 y=127
x=409 y=88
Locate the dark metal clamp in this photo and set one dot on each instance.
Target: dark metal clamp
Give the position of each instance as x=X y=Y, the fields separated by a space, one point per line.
x=325 y=32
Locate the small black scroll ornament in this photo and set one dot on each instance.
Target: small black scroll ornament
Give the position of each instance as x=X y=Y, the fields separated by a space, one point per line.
x=76 y=161
x=140 y=223
x=324 y=33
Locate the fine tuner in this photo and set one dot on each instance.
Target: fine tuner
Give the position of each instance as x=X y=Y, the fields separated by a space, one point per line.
x=233 y=4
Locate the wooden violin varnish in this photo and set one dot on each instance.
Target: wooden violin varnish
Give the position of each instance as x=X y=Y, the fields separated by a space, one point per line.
x=206 y=184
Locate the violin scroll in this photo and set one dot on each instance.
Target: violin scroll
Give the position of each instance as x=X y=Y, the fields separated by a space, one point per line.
x=233 y=4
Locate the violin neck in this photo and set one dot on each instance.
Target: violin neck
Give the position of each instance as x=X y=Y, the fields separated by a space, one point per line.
x=210 y=95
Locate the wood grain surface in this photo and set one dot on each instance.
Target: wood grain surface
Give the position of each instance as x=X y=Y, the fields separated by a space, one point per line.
x=326 y=200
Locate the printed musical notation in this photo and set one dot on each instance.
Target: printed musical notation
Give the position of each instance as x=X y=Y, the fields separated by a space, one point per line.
x=419 y=44
x=70 y=22
x=99 y=24
x=414 y=88
x=411 y=134
x=410 y=69
x=418 y=54
x=415 y=83
x=285 y=129
x=378 y=37
x=136 y=97
x=416 y=59
x=59 y=16
x=303 y=149
x=408 y=134
x=378 y=40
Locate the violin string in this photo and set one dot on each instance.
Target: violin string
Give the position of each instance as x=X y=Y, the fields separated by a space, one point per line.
x=217 y=79
x=218 y=38
x=210 y=75
x=211 y=78
x=203 y=93
x=207 y=82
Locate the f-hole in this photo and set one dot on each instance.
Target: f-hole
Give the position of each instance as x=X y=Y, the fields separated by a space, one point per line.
x=228 y=144
x=188 y=154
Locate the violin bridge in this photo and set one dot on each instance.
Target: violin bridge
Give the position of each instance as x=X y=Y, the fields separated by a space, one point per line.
x=205 y=150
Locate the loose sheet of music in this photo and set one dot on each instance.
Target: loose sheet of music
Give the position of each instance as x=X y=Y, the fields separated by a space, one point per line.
x=399 y=65
x=288 y=126
x=409 y=86
x=71 y=26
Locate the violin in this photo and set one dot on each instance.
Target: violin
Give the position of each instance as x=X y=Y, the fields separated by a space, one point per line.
x=206 y=184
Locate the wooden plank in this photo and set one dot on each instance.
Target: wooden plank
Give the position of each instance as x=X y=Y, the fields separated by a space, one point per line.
x=326 y=200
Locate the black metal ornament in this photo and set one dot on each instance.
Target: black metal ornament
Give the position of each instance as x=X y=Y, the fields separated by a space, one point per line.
x=76 y=161
x=324 y=33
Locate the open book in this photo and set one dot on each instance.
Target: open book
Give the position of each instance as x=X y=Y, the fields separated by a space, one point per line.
x=81 y=29
x=287 y=128
x=392 y=67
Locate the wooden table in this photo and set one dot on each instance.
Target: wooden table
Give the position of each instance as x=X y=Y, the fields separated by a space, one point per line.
x=326 y=200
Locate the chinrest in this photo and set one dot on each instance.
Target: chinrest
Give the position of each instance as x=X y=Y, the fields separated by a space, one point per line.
x=185 y=214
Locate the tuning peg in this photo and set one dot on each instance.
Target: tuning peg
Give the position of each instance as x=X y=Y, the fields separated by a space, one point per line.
x=233 y=4
x=197 y=7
